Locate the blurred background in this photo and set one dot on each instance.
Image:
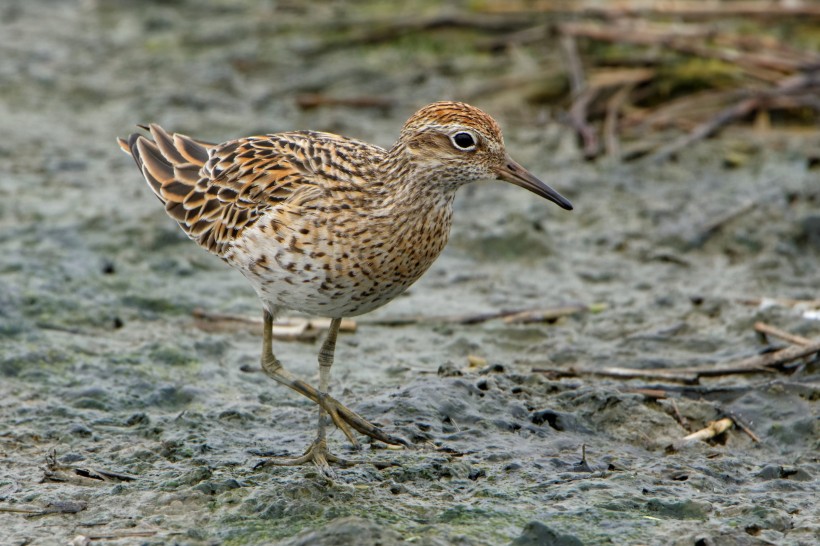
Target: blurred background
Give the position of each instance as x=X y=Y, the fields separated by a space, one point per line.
x=686 y=135
x=627 y=76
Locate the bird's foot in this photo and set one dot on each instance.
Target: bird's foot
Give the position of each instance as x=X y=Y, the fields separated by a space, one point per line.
x=318 y=454
x=345 y=418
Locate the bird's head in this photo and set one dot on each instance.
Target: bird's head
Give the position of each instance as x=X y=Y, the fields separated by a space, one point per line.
x=458 y=143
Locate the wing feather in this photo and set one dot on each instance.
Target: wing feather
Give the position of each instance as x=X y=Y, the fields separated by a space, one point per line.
x=214 y=191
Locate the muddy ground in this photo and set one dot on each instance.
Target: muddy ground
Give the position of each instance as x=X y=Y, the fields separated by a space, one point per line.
x=103 y=364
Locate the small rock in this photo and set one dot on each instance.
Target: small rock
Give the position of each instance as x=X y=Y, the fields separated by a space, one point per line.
x=777 y=472
x=685 y=509
x=217 y=487
x=557 y=420
x=448 y=369
x=537 y=534
x=810 y=231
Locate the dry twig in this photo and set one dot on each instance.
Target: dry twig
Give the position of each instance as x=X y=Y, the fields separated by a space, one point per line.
x=688 y=9
x=769 y=330
x=764 y=363
x=788 y=86
x=654 y=394
x=56 y=472
x=287 y=329
x=741 y=424
x=715 y=428
x=508 y=315
x=714 y=226
x=677 y=414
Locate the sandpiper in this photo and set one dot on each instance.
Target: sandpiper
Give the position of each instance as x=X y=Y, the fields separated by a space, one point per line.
x=328 y=225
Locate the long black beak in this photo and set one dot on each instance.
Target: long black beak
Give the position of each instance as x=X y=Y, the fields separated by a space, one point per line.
x=514 y=173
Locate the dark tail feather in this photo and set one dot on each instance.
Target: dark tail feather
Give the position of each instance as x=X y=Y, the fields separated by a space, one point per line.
x=170 y=163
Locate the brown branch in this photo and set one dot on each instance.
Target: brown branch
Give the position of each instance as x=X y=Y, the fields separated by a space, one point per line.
x=768 y=330
x=56 y=472
x=715 y=428
x=583 y=96
x=715 y=225
x=21 y=510
x=623 y=373
x=509 y=315
x=682 y=112
x=691 y=9
x=782 y=302
x=654 y=394
x=377 y=31
x=724 y=117
x=769 y=361
x=287 y=329
x=578 y=119
x=762 y=65
x=739 y=423
x=81 y=539
x=545 y=315
x=575 y=68
x=765 y=363
x=613 y=108
x=677 y=414
x=790 y=85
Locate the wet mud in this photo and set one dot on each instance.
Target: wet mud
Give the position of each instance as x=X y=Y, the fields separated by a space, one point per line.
x=125 y=419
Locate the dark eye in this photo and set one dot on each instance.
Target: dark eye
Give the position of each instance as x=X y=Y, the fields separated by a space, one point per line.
x=463 y=140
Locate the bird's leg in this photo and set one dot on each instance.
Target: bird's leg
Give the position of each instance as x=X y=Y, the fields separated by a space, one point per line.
x=318 y=452
x=325 y=362
x=342 y=417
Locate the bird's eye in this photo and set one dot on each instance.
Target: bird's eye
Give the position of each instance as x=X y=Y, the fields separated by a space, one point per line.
x=464 y=141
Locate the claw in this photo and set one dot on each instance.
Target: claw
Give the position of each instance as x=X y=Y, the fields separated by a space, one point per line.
x=317 y=453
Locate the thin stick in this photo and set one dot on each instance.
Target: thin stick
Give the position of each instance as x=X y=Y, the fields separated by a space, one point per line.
x=715 y=225
x=509 y=315
x=543 y=315
x=706 y=129
x=783 y=302
x=613 y=107
x=797 y=83
x=583 y=96
x=765 y=363
x=622 y=373
x=376 y=31
x=694 y=9
x=761 y=65
x=769 y=361
x=769 y=330
x=124 y=534
x=742 y=426
x=21 y=510
x=210 y=315
x=655 y=394
x=578 y=81
x=578 y=119
x=284 y=327
x=678 y=417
